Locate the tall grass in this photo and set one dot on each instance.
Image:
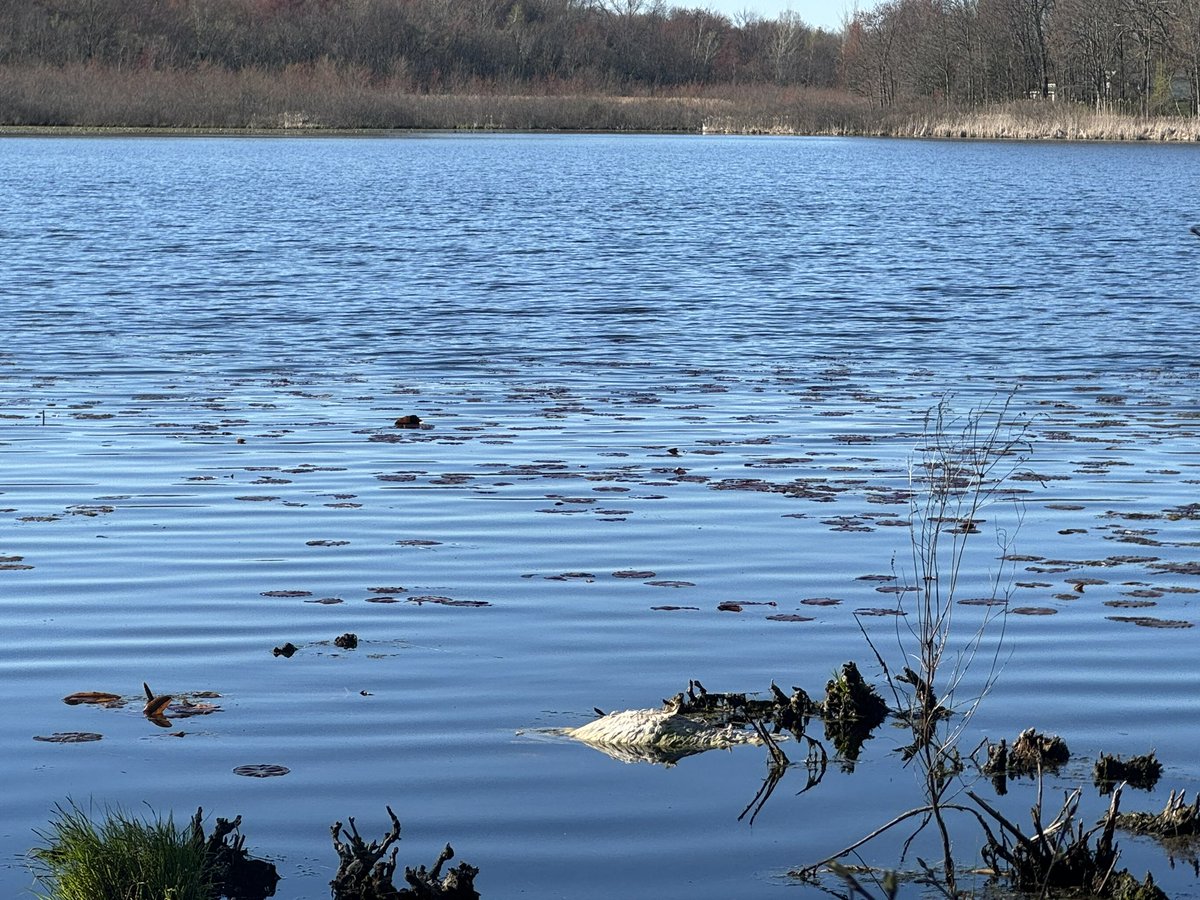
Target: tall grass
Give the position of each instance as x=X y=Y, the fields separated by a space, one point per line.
x=120 y=858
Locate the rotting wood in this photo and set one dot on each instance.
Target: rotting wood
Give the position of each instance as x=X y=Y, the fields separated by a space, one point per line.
x=365 y=870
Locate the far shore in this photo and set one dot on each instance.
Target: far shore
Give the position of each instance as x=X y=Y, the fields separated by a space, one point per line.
x=605 y=114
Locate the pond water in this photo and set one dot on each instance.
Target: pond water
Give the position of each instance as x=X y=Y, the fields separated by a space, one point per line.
x=656 y=375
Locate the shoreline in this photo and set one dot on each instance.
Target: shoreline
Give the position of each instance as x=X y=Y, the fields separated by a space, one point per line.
x=982 y=126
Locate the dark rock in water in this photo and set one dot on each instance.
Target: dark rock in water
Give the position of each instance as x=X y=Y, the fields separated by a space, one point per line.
x=286 y=651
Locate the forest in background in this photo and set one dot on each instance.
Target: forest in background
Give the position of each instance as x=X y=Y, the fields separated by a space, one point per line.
x=591 y=64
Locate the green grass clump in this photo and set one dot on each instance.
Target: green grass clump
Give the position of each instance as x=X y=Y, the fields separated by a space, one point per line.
x=120 y=858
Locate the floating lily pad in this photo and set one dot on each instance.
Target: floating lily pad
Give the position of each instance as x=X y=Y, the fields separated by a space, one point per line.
x=983 y=601
x=326 y=543
x=879 y=611
x=185 y=709
x=1129 y=604
x=418 y=543
x=262 y=770
x=326 y=601
x=639 y=574
x=820 y=601
x=1034 y=611
x=674 y=608
x=789 y=617
x=446 y=601
x=671 y=584
x=1151 y=622
x=286 y=594
x=68 y=737
x=729 y=606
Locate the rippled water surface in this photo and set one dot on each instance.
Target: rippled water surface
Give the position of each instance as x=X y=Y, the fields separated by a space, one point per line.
x=656 y=375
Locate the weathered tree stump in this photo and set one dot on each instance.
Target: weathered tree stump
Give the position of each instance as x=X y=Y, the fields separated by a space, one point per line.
x=236 y=875
x=365 y=870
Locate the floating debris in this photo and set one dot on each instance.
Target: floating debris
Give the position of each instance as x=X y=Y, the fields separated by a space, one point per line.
x=287 y=651
x=99 y=698
x=347 y=641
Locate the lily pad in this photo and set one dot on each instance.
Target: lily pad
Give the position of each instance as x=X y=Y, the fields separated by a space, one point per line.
x=68 y=737
x=1151 y=622
x=261 y=770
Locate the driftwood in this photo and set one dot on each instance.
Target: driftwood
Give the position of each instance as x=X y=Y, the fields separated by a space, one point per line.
x=235 y=874
x=1178 y=819
x=1061 y=855
x=365 y=870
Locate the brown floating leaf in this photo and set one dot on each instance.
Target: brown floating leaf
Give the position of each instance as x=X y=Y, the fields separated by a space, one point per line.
x=728 y=606
x=1151 y=622
x=789 y=617
x=634 y=573
x=68 y=737
x=261 y=770
x=154 y=704
x=100 y=698
x=1034 y=611
x=819 y=601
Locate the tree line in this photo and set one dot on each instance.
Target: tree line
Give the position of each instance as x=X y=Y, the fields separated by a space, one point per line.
x=1140 y=56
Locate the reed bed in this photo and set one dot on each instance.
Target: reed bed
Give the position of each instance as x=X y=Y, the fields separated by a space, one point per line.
x=326 y=97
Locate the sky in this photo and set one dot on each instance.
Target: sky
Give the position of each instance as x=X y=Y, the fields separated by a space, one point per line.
x=825 y=14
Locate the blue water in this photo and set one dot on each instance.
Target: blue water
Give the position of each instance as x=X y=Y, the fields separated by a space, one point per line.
x=206 y=341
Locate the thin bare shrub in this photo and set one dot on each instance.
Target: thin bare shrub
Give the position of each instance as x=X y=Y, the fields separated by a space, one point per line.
x=960 y=471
